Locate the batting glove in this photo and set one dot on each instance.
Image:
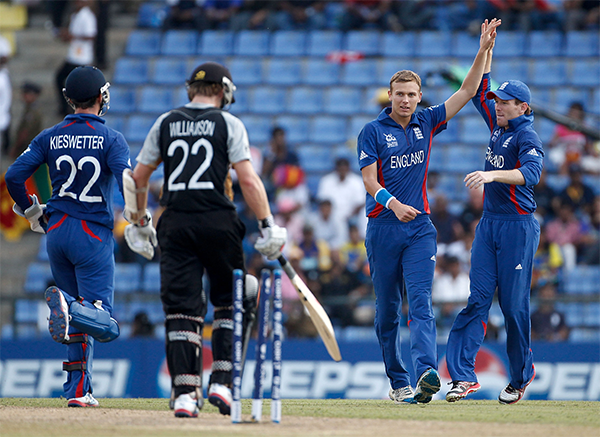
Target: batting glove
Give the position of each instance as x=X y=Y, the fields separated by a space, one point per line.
x=141 y=238
x=35 y=214
x=272 y=238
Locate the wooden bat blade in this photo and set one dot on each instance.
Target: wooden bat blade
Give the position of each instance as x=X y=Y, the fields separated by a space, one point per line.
x=317 y=313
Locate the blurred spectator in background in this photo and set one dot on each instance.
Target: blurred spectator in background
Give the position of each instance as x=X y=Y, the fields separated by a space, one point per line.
x=547 y=262
x=577 y=194
x=56 y=9
x=450 y=290
x=369 y=14
x=218 y=13
x=448 y=226
x=31 y=121
x=590 y=252
x=5 y=94
x=545 y=198
x=547 y=323
x=567 y=232
x=473 y=211
x=416 y=14
x=185 y=14
x=325 y=226
x=289 y=182
x=287 y=214
x=581 y=14
x=254 y=15
x=141 y=326
x=567 y=146
x=346 y=192
x=315 y=257
x=302 y=14
x=103 y=20
x=80 y=35
x=278 y=154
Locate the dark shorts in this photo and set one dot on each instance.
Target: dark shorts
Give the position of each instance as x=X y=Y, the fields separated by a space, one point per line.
x=191 y=243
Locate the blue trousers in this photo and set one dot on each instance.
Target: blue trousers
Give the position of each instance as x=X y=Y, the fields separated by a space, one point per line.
x=403 y=254
x=82 y=260
x=502 y=258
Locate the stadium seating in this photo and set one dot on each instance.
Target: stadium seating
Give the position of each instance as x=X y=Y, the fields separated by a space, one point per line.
x=305 y=100
x=143 y=43
x=543 y=44
x=267 y=100
x=582 y=279
x=288 y=43
x=465 y=45
x=246 y=71
x=580 y=44
x=128 y=277
x=259 y=128
x=170 y=71
x=251 y=43
x=398 y=44
x=137 y=127
x=151 y=278
x=322 y=42
x=584 y=72
x=342 y=100
x=179 y=43
x=315 y=159
x=154 y=100
x=363 y=41
x=131 y=71
x=433 y=44
x=321 y=72
x=216 y=43
x=38 y=278
x=122 y=100
x=327 y=129
x=510 y=44
x=296 y=128
x=361 y=73
x=283 y=71
x=547 y=72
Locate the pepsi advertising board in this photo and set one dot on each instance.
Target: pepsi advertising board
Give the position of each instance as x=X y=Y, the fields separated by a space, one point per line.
x=137 y=368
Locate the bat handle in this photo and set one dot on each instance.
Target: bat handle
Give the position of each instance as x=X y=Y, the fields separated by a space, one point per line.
x=287 y=267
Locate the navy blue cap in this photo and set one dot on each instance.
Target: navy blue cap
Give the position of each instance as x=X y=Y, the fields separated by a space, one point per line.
x=84 y=83
x=512 y=89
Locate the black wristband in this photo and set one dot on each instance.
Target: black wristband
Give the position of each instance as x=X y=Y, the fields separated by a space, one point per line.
x=267 y=222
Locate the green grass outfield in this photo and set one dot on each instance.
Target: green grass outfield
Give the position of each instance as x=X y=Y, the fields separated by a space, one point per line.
x=330 y=417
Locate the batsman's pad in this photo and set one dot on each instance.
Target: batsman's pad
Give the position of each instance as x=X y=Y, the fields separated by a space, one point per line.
x=184 y=352
x=97 y=322
x=222 y=340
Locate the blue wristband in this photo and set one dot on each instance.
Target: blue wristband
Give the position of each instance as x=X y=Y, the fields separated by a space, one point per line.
x=383 y=197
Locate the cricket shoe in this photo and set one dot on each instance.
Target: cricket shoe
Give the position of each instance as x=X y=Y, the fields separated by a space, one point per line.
x=427 y=385
x=402 y=395
x=58 y=322
x=510 y=395
x=460 y=389
x=84 y=401
x=220 y=396
x=186 y=405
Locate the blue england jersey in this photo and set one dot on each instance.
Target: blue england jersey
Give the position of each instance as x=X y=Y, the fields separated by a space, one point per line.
x=402 y=156
x=516 y=147
x=84 y=158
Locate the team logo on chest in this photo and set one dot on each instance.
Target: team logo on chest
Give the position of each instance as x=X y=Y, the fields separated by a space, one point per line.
x=506 y=142
x=496 y=134
x=391 y=140
x=418 y=133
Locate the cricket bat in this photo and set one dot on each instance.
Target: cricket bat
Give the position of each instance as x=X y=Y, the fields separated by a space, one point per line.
x=317 y=314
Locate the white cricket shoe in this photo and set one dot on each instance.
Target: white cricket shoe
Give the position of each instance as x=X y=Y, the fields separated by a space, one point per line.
x=84 y=401
x=403 y=395
x=220 y=396
x=58 y=322
x=186 y=405
x=510 y=395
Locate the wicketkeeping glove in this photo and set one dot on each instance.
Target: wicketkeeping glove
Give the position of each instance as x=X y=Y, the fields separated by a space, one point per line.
x=272 y=240
x=141 y=237
x=35 y=214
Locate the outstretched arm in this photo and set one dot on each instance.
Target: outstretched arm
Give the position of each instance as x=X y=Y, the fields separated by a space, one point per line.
x=482 y=62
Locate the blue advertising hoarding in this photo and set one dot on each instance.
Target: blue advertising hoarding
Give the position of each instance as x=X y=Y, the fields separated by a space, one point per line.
x=137 y=368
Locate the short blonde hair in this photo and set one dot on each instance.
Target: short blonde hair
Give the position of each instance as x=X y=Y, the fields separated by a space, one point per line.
x=406 y=76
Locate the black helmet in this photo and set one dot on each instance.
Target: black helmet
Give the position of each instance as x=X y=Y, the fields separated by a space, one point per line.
x=85 y=83
x=211 y=72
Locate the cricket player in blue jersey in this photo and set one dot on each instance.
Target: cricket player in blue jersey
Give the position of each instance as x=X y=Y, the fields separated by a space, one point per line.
x=505 y=243
x=85 y=158
x=393 y=154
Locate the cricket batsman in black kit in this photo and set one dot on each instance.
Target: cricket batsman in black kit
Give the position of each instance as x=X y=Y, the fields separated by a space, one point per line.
x=199 y=229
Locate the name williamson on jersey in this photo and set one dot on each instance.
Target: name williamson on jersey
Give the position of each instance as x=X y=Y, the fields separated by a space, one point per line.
x=204 y=128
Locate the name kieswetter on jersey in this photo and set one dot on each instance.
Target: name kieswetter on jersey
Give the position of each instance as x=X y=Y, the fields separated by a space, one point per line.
x=192 y=128
x=408 y=160
x=77 y=142
x=496 y=160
